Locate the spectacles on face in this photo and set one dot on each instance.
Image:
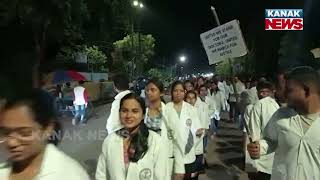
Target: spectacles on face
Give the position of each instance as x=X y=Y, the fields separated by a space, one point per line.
x=23 y=135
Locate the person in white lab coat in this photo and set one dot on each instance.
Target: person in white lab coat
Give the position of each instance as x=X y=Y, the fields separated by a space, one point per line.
x=260 y=115
x=156 y=120
x=200 y=81
x=28 y=130
x=121 y=86
x=293 y=131
x=203 y=96
x=184 y=118
x=248 y=99
x=219 y=99
x=188 y=85
x=220 y=85
x=133 y=152
x=235 y=97
x=204 y=121
x=226 y=84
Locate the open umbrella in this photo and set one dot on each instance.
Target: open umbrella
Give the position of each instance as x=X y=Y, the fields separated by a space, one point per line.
x=67 y=76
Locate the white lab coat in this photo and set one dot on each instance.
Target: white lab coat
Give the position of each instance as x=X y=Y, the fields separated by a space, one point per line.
x=227 y=89
x=166 y=140
x=240 y=87
x=55 y=166
x=111 y=164
x=222 y=88
x=211 y=103
x=219 y=100
x=204 y=117
x=253 y=95
x=113 y=122
x=250 y=165
x=181 y=133
x=297 y=154
x=260 y=115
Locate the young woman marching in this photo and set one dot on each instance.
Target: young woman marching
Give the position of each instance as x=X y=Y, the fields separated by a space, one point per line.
x=133 y=152
x=204 y=117
x=218 y=98
x=156 y=120
x=185 y=120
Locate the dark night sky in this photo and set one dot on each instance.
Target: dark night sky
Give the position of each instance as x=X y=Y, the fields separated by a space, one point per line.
x=177 y=25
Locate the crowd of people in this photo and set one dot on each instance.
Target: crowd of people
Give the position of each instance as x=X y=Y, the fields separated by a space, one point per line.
x=151 y=139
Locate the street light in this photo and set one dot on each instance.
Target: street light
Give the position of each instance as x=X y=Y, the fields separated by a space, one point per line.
x=182 y=58
x=136 y=3
x=137 y=55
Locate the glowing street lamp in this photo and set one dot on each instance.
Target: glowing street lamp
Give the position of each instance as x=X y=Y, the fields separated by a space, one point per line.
x=138 y=4
x=182 y=59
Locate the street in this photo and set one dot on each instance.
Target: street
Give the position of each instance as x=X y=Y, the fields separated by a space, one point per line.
x=225 y=157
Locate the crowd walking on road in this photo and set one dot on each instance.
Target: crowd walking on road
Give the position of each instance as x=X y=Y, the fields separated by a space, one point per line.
x=153 y=139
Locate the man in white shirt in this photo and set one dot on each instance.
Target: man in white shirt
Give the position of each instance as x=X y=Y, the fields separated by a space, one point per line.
x=249 y=98
x=293 y=131
x=235 y=98
x=121 y=85
x=260 y=115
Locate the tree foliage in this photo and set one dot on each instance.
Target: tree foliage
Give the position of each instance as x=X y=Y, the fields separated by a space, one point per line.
x=47 y=22
x=159 y=73
x=129 y=47
x=95 y=56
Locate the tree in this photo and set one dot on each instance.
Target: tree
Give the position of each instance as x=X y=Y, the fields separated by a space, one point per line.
x=130 y=49
x=47 y=21
x=109 y=20
x=96 y=58
x=223 y=68
x=159 y=73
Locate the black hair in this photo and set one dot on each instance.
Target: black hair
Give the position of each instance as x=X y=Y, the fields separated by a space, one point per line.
x=265 y=85
x=81 y=82
x=188 y=81
x=191 y=92
x=201 y=77
x=41 y=106
x=203 y=86
x=68 y=84
x=121 y=82
x=139 y=141
x=174 y=84
x=157 y=83
x=305 y=76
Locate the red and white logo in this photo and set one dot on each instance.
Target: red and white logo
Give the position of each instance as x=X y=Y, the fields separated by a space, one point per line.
x=284 y=19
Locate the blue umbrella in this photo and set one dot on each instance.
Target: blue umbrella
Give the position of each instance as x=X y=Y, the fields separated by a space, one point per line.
x=61 y=77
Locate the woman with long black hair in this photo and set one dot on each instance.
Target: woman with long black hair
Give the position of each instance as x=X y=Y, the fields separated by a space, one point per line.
x=133 y=152
x=156 y=120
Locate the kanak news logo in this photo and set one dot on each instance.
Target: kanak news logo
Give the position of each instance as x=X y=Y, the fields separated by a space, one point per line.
x=284 y=19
